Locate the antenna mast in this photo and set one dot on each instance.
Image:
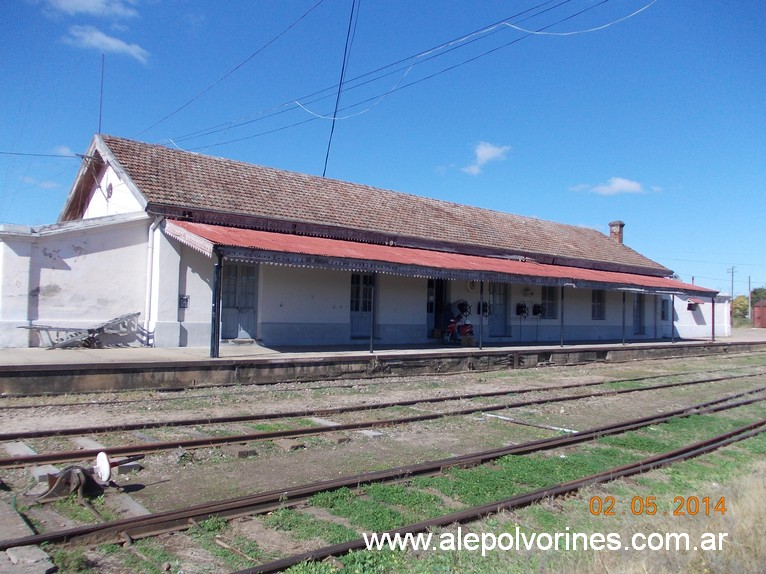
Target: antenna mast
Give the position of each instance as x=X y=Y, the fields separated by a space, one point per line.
x=101 y=95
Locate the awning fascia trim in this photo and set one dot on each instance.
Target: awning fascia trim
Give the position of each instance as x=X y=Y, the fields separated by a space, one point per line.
x=188 y=238
x=243 y=246
x=250 y=255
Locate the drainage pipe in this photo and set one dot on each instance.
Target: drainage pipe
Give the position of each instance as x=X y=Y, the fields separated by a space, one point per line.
x=150 y=273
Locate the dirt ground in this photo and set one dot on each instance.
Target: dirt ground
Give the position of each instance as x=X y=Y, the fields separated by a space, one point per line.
x=178 y=478
x=181 y=477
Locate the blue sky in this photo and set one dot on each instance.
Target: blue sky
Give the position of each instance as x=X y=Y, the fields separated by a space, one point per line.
x=648 y=112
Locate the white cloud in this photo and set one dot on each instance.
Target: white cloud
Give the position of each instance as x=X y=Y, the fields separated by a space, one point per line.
x=90 y=37
x=580 y=187
x=485 y=153
x=44 y=184
x=614 y=186
x=63 y=150
x=101 y=8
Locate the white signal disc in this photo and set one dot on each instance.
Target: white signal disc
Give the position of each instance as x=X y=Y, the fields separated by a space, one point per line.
x=103 y=467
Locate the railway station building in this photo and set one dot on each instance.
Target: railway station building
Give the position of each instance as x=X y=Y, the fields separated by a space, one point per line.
x=209 y=249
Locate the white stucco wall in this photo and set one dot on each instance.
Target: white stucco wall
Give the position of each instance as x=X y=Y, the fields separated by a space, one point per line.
x=697 y=323
x=195 y=280
x=578 y=322
x=297 y=306
x=111 y=196
x=401 y=314
x=312 y=306
x=164 y=320
x=73 y=274
x=15 y=252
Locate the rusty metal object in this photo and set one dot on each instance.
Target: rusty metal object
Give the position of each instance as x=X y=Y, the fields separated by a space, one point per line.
x=84 y=481
x=72 y=479
x=90 y=337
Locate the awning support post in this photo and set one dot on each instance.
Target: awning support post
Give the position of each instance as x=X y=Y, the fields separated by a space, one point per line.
x=481 y=313
x=561 y=319
x=712 y=303
x=215 y=327
x=372 y=313
x=623 y=317
x=673 y=318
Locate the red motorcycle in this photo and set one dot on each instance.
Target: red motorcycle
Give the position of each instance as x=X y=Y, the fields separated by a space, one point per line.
x=458 y=325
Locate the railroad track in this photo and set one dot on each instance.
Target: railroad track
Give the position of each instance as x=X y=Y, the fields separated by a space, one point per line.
x=325 y=411
x=135 y=528
x=249 y=390
x=477 y=512
x=206 y=442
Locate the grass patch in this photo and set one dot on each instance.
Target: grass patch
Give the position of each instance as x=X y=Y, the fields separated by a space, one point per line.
x=539 y=471
x=619 y=385
x=209 y=531
x=416 y=501
x=70 y=560
x=305 y=527
x=281 y=425
x=368 y=514
x=473 y=486
x=72 y=509
x=755 y=445
x=145 y=557
x=638 y=441
x=513 y=475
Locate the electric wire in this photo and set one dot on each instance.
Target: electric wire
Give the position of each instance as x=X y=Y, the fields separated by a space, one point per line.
x=589 y=30
x=343 y=68
x=230 y=72
x=18 y=153
x=410 y=61
x=414 y=82
x=423 y=56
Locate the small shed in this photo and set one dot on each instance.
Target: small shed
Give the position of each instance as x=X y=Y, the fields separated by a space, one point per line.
x=759 y=314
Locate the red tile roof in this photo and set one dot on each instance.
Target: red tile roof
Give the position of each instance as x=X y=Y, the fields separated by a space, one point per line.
x=204 y=184
x=205 y=237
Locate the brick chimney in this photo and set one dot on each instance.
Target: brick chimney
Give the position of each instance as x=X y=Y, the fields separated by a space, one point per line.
x=615 y=231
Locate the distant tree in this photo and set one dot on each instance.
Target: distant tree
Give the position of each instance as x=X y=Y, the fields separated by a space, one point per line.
x=758 y=294
x=739 y=307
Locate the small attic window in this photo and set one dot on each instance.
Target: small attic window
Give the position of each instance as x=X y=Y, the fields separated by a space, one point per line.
x=186 y=214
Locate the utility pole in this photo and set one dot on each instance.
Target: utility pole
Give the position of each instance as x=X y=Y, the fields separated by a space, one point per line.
x=731 y=305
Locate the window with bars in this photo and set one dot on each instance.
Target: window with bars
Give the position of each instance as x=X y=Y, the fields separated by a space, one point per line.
x=361 y=292
x=550 y=301
x=598 y=305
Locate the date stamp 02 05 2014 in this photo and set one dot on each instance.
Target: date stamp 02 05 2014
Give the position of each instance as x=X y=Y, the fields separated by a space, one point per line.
x=647 y=505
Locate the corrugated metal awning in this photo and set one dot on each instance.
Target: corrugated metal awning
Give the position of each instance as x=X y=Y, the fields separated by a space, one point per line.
x=320 y=252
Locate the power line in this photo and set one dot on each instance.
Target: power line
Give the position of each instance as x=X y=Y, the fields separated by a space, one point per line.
x=343 y=67
x=589 y=30
x=413 y=83
x=230 y=72
x=410 y=61
x=18 y=153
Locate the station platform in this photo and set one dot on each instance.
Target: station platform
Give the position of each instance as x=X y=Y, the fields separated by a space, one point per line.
x=41 y=370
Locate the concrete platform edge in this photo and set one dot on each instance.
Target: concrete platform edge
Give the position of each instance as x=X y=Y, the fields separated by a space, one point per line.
x=166 y=373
